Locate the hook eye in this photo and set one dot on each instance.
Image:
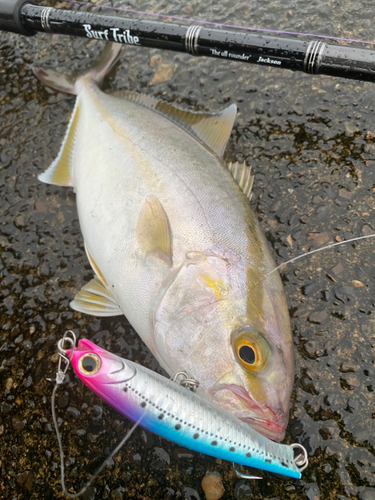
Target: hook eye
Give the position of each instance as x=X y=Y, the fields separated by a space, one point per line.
x=301 y=459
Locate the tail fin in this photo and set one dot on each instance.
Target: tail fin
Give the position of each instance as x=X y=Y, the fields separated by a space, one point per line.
x=67 y=82
x=60 y=172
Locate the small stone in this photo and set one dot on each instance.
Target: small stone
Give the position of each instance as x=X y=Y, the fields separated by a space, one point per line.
x=357 y=283
x=25 y=480
x=367 y=230
x=352 y=381
x=163 y=74
x=311 y=288
x=73 y=411
x=18 y=424
x=352 y=405
x=275 y=207
x=63 y=401
x=312 y=491
x=117 y=494
x=89 y=494
x=318 y=317
x=212 y=486
x=345 y=193
x=190 y=494
x=5 y=408
x=327 y=468
x=319 y=238
x=242 y=490
x=347 y=367
x=9 y=383
x=154 y=60
x=310 y=347
x=367 y=494
x=338 y=269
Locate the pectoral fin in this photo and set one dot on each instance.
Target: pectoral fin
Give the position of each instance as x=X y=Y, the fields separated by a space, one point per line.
x=153 y=231
x=95 y=299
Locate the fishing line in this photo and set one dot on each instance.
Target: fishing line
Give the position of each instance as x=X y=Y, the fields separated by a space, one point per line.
x=60 y=376
x=211 y=23
x=319 y=250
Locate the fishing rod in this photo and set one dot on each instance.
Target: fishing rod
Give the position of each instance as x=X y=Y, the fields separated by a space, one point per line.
x=313 y=57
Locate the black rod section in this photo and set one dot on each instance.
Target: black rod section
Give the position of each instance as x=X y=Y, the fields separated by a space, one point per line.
x=314 y=57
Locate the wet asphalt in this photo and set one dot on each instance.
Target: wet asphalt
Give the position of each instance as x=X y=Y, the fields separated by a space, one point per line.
x=311 y=142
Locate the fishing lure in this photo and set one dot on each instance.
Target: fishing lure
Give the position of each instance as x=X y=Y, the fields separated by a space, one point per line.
x=170 y=410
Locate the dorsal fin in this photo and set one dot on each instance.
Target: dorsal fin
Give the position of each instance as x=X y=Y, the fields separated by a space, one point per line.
x=212 y=129
x=242 y=175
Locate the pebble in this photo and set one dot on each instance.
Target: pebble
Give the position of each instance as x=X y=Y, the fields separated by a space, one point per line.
x=367 y=494
x=318 y=316
x=312 y=491
x=25 y=480
x=212 y=486
x=242 y=490
x=18 y=424
x=155 y=60
x=311 y=288
x=163 y=74
x=319 y=238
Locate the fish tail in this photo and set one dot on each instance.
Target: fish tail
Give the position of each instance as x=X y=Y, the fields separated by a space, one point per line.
x=60 y=172
x=67 y=81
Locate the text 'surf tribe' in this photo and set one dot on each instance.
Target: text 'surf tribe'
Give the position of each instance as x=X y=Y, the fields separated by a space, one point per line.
x=112 y=34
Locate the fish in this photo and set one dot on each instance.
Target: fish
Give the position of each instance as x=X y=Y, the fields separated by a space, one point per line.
x=164 y=407
x=174 y=244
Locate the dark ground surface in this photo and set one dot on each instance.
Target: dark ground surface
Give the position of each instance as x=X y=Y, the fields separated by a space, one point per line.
x=311 y=143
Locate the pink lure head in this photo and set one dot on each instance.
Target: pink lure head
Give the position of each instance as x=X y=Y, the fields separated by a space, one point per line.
x=99 y=369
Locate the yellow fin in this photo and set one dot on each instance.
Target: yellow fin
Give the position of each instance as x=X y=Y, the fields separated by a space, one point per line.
x=60 y=170
x=95 y=267
x=242 y=174
x=212 y=129
x=153 y=230
x=95 y=299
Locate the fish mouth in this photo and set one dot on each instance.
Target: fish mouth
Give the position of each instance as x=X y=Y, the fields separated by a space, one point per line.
x=263 y=419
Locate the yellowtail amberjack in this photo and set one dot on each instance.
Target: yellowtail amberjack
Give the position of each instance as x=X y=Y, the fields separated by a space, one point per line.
x=175 y=246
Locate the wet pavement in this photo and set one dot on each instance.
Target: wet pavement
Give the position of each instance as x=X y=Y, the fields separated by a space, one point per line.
x=311 y=142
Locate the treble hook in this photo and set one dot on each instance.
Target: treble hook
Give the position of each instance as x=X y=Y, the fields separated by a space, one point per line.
x=64 y=361
x=244 y=476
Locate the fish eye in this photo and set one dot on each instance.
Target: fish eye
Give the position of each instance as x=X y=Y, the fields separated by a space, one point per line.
x=247 y=354
x=251 y=349
x=89 y=364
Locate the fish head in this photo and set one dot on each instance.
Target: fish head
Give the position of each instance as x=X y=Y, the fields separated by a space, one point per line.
x=99 y=369
x=235 y=339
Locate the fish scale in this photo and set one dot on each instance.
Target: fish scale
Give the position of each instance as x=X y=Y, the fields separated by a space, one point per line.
x=166 y=408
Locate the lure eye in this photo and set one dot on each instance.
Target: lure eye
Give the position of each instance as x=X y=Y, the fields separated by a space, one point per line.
x=251 y=350
x=89 y=364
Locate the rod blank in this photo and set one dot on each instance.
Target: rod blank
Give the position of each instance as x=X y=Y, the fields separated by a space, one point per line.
x=313 y=57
